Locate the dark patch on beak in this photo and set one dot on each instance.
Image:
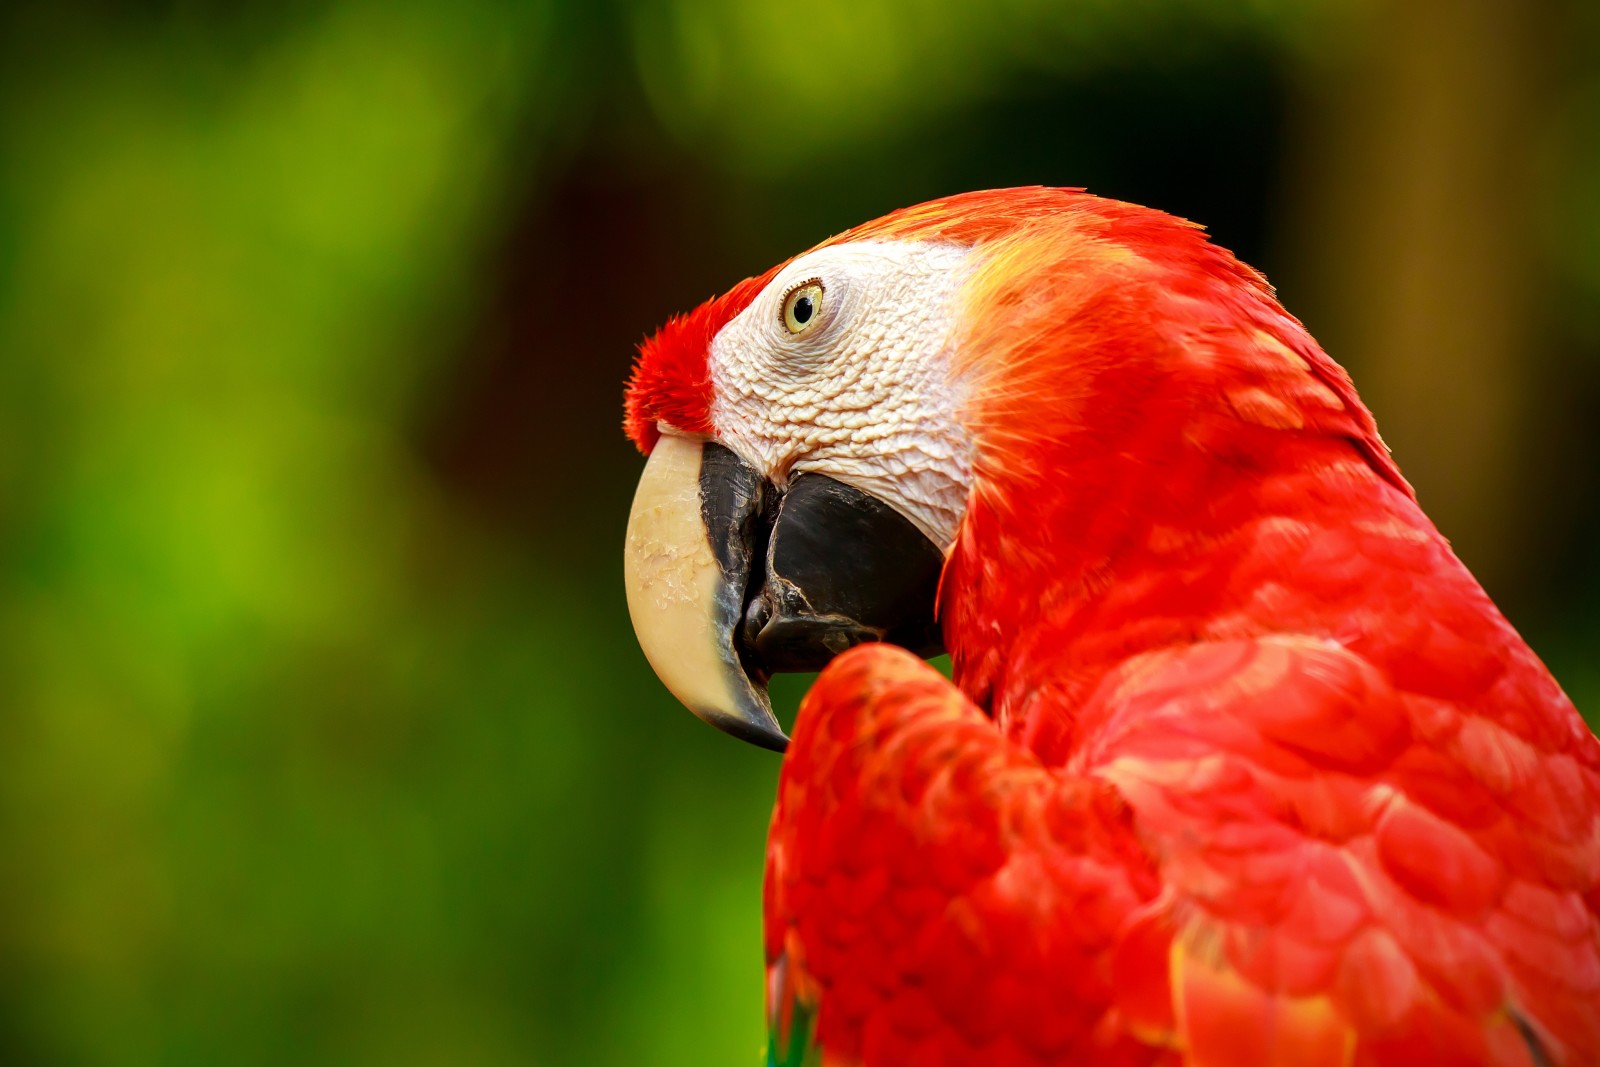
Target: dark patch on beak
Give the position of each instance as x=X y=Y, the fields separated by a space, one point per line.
x=841 y=567
x=731 y=581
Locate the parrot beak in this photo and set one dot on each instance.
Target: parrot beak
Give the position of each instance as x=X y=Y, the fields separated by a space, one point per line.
x=686 y=568
x=730 y=581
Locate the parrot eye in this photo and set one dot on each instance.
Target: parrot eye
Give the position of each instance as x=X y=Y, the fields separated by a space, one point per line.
x=802 y=306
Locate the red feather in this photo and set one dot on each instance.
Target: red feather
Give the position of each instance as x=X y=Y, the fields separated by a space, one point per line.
x=1241 y=765
x=671 y=380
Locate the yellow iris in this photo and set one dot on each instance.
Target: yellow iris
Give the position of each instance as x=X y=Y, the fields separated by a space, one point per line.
x=802 y=307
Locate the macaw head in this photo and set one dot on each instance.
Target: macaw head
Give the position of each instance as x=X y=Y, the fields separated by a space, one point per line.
x=823 y=437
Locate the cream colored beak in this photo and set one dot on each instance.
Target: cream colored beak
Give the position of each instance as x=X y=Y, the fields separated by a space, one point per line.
x=686 y=585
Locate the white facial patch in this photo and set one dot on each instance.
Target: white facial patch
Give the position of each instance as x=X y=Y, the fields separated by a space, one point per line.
x=864 y=393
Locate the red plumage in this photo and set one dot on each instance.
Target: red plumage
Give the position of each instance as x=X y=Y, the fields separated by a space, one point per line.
x=1240 y=764
x=671 y=381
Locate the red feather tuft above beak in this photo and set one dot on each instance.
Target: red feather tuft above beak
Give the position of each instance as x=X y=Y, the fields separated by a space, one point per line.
x=671 y=379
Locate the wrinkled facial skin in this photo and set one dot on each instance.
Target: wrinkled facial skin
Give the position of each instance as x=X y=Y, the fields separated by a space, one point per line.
x=819 y=513
x=866 y=394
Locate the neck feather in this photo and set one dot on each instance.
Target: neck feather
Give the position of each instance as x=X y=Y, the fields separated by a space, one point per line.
x=1161 y=455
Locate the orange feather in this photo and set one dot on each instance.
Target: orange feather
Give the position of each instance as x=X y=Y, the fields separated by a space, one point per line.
x=1240 y=765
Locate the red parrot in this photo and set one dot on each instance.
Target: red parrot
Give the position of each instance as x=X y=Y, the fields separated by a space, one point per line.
x=1239 y=764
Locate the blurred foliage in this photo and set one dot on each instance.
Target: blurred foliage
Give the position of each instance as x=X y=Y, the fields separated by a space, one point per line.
x=323 y=735
x=899 y=62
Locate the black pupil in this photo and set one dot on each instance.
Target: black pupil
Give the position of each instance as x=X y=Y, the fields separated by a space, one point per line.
x=802 y=309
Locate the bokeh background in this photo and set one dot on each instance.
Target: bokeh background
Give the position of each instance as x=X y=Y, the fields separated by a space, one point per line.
x=323 y=735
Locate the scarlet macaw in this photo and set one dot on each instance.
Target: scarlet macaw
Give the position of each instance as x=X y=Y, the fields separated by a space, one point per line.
x=1239 y=766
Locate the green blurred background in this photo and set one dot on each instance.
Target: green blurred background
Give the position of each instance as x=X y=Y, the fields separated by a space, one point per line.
x=323 y=735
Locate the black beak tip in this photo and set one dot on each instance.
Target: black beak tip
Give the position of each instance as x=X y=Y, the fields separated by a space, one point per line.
x=767 y=735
